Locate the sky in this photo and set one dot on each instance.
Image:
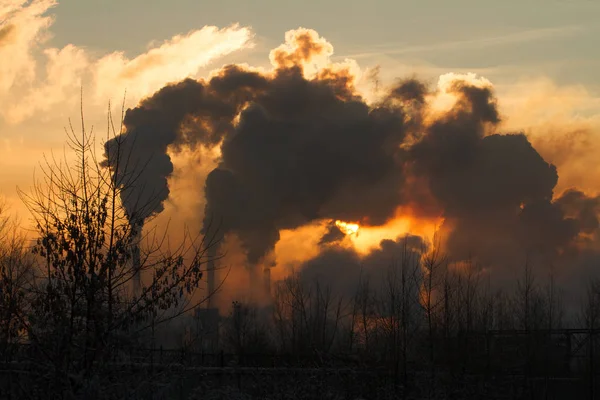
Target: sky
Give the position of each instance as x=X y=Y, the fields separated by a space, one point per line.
x=553 y=37
x=542 y=57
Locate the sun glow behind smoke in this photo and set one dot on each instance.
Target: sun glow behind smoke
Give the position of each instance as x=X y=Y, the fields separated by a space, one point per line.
x=404 y=223
x=371 y=236
x=347 y=228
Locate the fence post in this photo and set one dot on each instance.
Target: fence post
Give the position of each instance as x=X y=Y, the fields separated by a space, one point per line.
x=568 y=351
x=488 y=351
x=152 y=357
x=592 y=373
x=222 y=364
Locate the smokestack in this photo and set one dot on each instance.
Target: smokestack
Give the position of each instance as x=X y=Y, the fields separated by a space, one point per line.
x=253 y=279
x=211 y=252
x=267 y=281
x=210 y=279
x=136 y=260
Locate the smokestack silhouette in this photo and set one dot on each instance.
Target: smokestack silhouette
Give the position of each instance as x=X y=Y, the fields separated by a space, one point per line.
x=267 y=281
x=210 y=277
x=254 y=279
x=299 y=144
x=136 y=260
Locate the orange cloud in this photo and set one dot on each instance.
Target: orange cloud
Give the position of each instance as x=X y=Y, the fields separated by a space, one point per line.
x=40 y=85
x=563 y=124
x=302 y=46
x=180 y=57
x=23 y=26
x=64 y=70
x=24 y=29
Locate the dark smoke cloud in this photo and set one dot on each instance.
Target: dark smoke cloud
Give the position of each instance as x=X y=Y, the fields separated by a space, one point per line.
x=495 y=189
x=341 y=269
x=332 y=235
x=188 y=113
x=410 y=90
x=303 y=151
x=295 y=149
x=583 y=209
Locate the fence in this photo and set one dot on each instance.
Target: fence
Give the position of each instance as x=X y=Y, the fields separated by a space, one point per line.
x=552 y=362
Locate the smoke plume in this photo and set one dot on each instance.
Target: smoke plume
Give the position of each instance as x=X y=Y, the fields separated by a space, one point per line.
x=341 y=268
x=300 y=144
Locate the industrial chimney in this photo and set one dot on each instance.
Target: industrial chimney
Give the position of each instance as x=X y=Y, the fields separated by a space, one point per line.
x=267 y=281
x=136 y=259
x=210 y=279
x=253 y=282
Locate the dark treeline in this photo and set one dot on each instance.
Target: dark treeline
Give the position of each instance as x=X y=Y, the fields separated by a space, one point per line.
x=434 y=330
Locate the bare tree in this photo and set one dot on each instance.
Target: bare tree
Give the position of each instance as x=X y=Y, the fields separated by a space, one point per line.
x=245 y=331
x=590 y=309
x=308 y=316
x=85 y=305
x=367 y=324
x=531 y=303
x=398 y=304
x=16 y=275
x=434 y=263
x=554 y=301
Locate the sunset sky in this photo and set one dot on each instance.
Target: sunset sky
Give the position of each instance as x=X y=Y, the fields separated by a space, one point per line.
x=393 y=183
x=541 y=56
x=538 y=58
x=509 y=39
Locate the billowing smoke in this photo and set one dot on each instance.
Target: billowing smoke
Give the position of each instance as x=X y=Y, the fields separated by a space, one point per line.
x=301 y=149
x=341 y=268
x=139 y=156
x=299 y=144
x=489 y=185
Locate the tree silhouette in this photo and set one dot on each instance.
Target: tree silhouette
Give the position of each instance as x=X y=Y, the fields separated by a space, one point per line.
x=85 y=309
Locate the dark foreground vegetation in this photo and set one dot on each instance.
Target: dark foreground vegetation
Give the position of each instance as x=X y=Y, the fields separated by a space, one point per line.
x=84 y=314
